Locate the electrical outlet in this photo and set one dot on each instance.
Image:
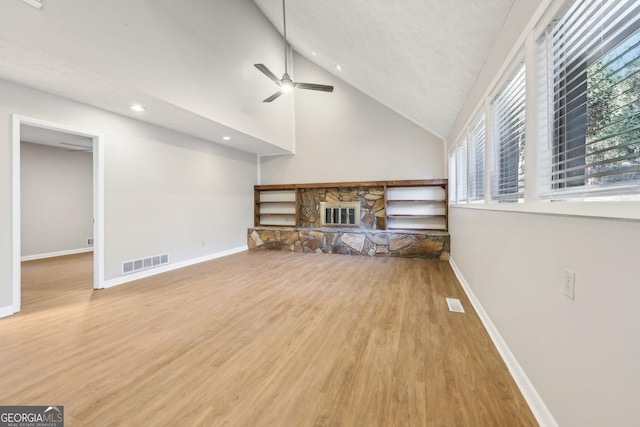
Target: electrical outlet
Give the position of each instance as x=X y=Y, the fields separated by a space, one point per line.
x=569 y=284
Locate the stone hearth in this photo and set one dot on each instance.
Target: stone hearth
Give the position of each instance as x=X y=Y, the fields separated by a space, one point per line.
x=349 y=241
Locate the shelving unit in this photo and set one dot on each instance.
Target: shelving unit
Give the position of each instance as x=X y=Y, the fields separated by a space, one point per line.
x=414 y=205
x=416 y=208
x=276 y=207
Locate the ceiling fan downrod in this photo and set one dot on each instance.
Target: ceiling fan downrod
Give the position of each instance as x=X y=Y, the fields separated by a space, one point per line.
x=285 y=83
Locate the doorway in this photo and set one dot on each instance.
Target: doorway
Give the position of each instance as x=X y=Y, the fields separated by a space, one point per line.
x=62 y=136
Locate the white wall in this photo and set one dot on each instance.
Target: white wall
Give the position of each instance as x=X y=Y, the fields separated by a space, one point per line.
x=348 y=136
x=165 y=192
x=56 y=199
x=581 y=356
x=195 y=54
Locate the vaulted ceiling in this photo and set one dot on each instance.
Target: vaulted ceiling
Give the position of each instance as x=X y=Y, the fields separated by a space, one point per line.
x=418 y=57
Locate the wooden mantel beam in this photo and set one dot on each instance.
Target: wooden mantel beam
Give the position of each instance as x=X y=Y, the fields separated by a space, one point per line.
x=396 y=183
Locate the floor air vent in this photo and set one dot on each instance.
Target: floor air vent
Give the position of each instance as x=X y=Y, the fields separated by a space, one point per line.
x=129 y=267
x=455 y=305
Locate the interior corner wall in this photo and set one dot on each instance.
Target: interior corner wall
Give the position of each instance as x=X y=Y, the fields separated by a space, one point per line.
x=580 y=355
x=56 y=199
x=165 y=192
x=348 y=136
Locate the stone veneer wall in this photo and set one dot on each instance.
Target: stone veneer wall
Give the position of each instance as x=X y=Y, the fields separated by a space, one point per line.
x=372 y=209
x=433 y=245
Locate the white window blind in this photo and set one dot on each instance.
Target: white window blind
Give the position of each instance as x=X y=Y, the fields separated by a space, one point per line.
x=462 y=172
x=593 y=58
x=477 y=151
x=452 y=177
x=508 y=110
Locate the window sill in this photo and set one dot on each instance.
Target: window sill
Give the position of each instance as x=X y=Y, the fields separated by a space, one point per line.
x=608 y=210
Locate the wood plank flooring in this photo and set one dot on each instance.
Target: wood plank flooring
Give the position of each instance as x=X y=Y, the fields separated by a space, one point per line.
x=259 y=338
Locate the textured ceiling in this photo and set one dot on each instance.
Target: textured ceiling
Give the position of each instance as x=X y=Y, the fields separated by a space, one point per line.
x=418 y=57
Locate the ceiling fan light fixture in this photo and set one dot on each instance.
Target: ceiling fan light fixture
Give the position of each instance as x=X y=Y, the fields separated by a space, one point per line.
x=287 y=86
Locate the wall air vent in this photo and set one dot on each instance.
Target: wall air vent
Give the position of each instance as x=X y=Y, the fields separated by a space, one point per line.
x=340 y=214
x=136 y=265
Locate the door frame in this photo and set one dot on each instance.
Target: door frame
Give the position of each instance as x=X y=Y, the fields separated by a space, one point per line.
x=98 y=199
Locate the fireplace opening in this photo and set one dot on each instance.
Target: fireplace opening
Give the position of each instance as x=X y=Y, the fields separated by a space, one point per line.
x=340 y=214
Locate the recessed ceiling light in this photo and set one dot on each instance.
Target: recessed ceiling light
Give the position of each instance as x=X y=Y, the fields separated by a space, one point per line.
x=226 y=138
x=137 y=108
x=339 y=68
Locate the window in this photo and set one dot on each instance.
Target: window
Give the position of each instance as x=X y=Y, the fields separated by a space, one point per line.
x=508 y=111
x=593 y=57
x=462 y=172
x=476 y=174
x=452 y=176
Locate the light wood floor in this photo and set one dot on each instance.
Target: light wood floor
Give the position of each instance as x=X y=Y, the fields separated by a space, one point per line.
x=257 y=339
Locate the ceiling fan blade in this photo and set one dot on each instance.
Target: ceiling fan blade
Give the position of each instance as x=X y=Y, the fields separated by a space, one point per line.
x=268 y=73
x=312 y=86
x=274 y=96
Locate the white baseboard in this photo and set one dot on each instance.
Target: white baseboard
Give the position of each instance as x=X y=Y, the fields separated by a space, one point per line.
x=152 y=272
x=537 y=405
x=55 y=254
x=7 y=311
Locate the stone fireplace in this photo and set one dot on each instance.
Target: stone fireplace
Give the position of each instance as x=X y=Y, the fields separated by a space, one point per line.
x=369 y=201
x=382 y=218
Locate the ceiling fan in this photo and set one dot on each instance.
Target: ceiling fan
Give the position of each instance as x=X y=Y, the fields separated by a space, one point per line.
x=285 y=83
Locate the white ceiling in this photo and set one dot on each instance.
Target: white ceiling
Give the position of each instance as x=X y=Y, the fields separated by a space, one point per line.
x=418 y=57
x=40 y=70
